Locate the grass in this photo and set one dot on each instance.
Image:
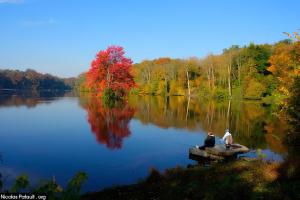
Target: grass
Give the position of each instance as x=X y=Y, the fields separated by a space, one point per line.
x=241 y=179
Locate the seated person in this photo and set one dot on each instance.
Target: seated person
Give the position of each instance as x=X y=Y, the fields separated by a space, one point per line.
x=208 y=142
x=227 y=138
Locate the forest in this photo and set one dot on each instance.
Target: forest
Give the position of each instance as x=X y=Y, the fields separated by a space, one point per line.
x=32 y=80
x=255 y=71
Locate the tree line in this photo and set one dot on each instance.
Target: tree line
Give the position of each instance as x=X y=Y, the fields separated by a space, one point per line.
x=250 y=72
x=254 y=71
x=32 y=80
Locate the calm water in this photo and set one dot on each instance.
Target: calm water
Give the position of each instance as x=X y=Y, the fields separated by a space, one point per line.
x=57 y=134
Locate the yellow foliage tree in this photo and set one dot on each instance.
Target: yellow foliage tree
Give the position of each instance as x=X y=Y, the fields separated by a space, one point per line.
x=285 y=64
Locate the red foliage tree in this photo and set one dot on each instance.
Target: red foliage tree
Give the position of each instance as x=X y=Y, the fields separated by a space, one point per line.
x=111 y=70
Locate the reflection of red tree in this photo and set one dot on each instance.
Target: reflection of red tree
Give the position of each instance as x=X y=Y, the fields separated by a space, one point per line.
x=110 y=125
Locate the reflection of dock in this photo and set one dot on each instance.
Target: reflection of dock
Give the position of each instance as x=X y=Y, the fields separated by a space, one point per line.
x=218 y=152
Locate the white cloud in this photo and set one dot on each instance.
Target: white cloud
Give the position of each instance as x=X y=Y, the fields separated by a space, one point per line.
x=12 y=1
x=38 y=23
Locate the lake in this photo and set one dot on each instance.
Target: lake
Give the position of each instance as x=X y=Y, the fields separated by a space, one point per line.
x=46 y=134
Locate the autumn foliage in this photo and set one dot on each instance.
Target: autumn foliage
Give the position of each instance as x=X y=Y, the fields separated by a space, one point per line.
x=255 y=71
x=110 y=125
x=111 y=70
x=285 y=64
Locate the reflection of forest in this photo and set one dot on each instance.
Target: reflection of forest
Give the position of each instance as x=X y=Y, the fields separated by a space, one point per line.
x=29 y=98
x=250 y=122
x=110 y=125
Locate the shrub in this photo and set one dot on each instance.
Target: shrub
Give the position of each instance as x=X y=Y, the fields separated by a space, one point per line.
x=254 y=90
x=109 y=97
x=21 y=183
x=220 y=94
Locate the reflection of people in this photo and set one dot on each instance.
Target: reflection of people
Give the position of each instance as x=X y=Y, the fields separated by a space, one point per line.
x=209 y=141
x=227 y=138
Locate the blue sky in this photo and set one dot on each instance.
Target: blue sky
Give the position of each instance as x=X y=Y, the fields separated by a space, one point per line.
x=61 y=37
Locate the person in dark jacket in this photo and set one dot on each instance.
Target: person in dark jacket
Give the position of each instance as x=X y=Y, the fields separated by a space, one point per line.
x=209 y=141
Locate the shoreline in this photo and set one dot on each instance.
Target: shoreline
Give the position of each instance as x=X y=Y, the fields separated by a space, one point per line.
x=243 y=178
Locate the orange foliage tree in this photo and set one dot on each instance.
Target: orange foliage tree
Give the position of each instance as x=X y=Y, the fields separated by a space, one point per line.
x=111 y=70
x=285 y=64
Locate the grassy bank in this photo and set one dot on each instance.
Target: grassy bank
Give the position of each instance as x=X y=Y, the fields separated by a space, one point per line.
x=241 y=179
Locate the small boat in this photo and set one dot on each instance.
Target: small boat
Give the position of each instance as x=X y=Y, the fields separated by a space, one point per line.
x=219 y=151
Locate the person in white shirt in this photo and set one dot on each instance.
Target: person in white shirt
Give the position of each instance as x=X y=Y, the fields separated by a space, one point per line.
x=227 y=138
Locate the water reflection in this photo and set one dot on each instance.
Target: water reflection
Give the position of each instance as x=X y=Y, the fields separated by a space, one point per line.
x=251 y=123
x=30 y=98
x=110 y=125
x=160 y=134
